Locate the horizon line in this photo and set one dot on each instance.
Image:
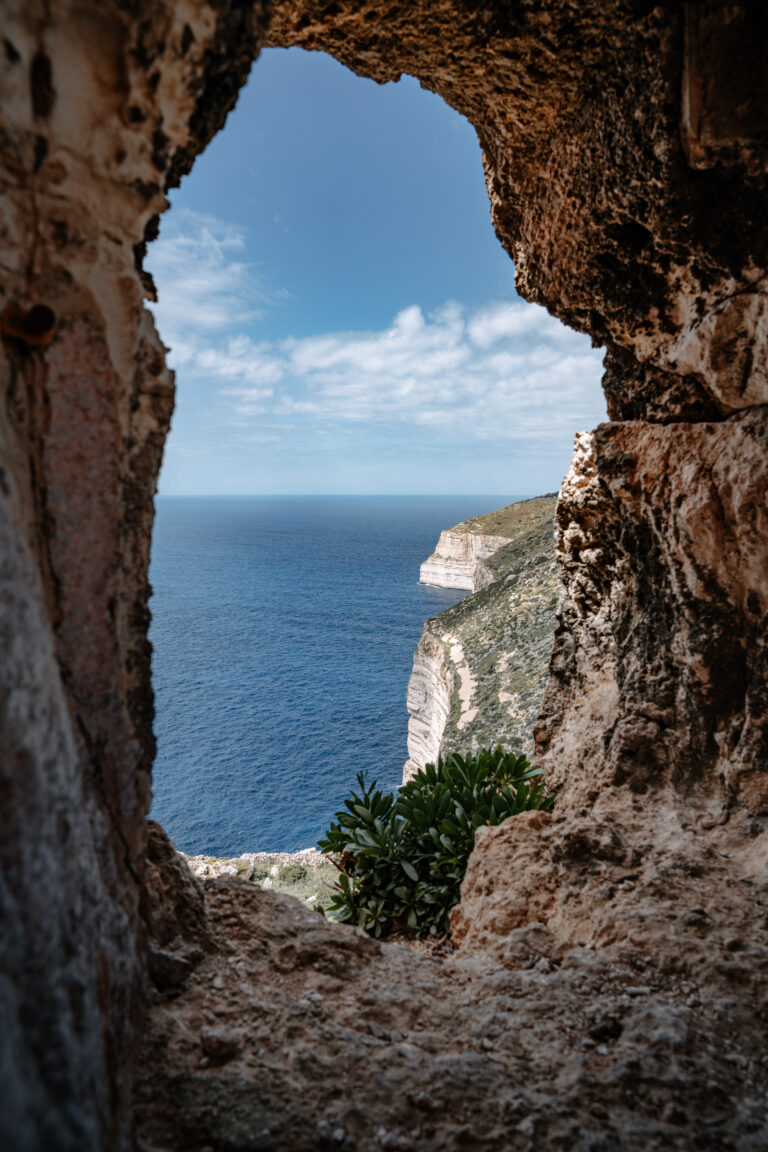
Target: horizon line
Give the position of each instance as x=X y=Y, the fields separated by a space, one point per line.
x=324 y=495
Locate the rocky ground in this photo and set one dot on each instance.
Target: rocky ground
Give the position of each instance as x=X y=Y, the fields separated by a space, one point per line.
x=293 y=1034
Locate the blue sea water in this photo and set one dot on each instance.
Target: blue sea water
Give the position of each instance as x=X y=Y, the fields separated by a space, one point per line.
x=284 y=630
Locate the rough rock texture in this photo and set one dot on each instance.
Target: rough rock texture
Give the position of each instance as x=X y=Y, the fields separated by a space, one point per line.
x=173 y=908
x=101 y=103
x=679 y=693
x=625 y=154
x=480 y=667
x=430 y=689
x=296 y=1034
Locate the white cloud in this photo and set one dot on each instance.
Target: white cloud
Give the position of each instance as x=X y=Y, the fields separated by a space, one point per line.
x=504 y=321
x=204 y=283
x=504 y=372
x=507 y=371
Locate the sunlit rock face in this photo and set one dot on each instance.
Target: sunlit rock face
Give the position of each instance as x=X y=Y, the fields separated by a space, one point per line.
x=625 y=161
x=429 y=702
x=457 y=560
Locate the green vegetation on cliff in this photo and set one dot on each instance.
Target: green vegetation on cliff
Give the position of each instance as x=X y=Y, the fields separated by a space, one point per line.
x=497 y=642
x=512 y=520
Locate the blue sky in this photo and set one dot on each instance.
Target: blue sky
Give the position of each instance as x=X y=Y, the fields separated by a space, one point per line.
x=340 y=314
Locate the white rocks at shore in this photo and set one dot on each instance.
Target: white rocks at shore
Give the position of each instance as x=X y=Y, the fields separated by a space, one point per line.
x=307 y=874
x=250 y=863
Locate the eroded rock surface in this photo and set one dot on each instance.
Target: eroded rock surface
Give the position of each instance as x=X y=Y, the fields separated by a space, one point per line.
x=456 y=559
x=674 y=519
x=430 y=689
x=102 y=104
x=625 y=159
x=296 y=1034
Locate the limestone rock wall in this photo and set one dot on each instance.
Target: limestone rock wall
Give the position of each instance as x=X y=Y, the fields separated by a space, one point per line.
x=430 y=689
x=681 y=694
x=480 y=667
x=667 y=709
x=455 y=563
x=101 y=103
x=625 y=158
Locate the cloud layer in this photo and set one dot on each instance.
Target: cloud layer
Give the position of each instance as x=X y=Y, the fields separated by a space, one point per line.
x=505 y=372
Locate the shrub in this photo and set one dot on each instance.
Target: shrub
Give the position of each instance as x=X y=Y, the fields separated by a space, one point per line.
x=402 y=856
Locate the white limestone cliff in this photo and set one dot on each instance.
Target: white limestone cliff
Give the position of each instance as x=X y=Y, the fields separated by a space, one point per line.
x=429 y=701
x=457 y=560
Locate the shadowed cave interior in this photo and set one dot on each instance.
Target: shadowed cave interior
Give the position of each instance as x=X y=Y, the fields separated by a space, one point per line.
x=608 y=989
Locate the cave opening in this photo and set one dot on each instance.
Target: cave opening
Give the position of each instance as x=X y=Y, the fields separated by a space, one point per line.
x=609 y=980
x=355 y=373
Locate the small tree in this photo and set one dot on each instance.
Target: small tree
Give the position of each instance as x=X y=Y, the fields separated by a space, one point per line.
x=402 y=857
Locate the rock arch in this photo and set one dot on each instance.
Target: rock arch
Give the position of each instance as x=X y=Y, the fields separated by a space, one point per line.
x=625 y=155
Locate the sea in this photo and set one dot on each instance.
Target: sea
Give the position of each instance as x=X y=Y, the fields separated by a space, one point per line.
x=284 y=629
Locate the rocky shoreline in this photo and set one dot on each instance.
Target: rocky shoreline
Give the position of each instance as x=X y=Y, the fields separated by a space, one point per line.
x=307 y=874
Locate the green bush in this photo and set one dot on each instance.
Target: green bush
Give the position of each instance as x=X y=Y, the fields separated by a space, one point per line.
x=402 y=856
x=291 y=874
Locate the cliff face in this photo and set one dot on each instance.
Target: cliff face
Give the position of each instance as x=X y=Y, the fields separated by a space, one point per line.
x=456 y=560
x=430 y=690
x=667 y=709
x=481 y=666
x=625 y=158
